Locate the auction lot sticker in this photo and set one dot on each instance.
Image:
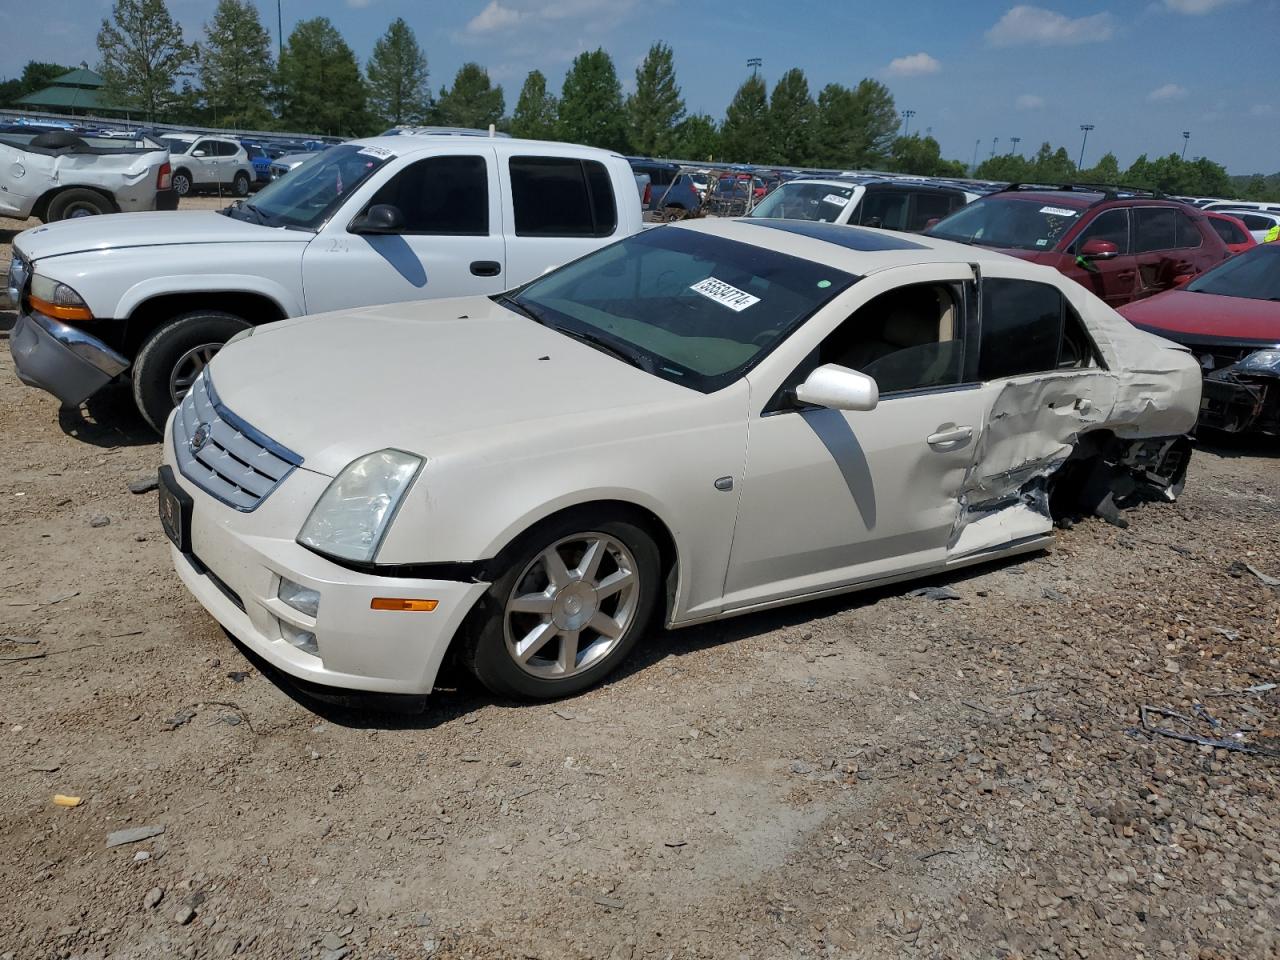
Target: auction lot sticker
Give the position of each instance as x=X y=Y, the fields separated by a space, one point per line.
x=1059 y=211
x=724 y=294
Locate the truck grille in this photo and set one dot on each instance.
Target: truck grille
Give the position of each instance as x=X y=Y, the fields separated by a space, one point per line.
x=223 y=455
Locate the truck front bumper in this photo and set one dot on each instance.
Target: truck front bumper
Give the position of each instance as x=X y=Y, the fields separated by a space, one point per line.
x=62 y=360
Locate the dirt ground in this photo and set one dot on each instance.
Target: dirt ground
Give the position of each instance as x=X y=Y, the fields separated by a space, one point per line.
x=881 y=775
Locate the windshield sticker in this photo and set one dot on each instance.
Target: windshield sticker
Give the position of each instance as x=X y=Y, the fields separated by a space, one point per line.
x=823 y=284
x=1060 y=211
x=835 y=198
x=1042 y=243
x=382 y=153
x=725 y=295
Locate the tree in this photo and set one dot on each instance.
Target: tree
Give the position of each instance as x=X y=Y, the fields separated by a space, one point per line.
x=1107 y=170
x=1008 y=167
x=36 y=75
x=696 y=138
x=536 y=110
x=656 y=108
x=397 y=74
x=472 y=101
x=746 y=122
x=236 y=65
x=791 y=120
x=142 y=55
x=922 y=156
x=591 y=109
x=319 y=81
x=1052 y=166
x=855 y=128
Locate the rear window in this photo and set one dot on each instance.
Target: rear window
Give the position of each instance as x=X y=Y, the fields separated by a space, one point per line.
x=1016 y=223
x=1228 y=231
x=562 y=197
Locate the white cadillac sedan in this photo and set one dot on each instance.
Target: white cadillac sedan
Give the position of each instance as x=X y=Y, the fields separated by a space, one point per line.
x=699 y=421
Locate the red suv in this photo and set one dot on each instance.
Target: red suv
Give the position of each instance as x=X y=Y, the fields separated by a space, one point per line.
x=1122 y=244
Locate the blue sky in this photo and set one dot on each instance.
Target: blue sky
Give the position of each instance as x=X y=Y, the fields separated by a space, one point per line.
x=1141 y=71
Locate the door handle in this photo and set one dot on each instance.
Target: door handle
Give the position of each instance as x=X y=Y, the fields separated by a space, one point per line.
x=950 y=436
x=486 y=268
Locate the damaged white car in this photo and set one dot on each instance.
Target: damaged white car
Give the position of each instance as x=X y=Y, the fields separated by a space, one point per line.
x=698 y=421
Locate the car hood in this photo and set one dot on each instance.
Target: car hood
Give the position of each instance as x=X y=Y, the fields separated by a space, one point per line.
x=1182 y=315
x=444 y=376
x=162 y=228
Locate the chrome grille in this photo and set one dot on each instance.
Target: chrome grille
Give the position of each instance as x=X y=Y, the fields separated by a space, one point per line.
x=223 y=455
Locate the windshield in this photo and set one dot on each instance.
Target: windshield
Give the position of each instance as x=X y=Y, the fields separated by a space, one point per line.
x=255 y=152
x=1253 y=275
x=175 y=145
x=805 y=201
x=695 y=309
x=314 y=188
x=1022 y=224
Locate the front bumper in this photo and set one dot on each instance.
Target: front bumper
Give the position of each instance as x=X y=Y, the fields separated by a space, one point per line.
x=62 y=360
x=235 y=567
x=1238 y=406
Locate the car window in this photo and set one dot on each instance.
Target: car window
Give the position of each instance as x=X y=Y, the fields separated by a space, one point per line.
x=910 y=338
x=446 y=195
x=1010 y=221
x=1155 y=228
x=1110 y=225
x=1255 y=221
x=1186 y=233
x=208 y=146
x=562 y=197
x=1028 y=327
x=884 y=208
x=1253 y=275
x=1228 y=231
x=317 y=187
x=929 y=206
x=822 y=202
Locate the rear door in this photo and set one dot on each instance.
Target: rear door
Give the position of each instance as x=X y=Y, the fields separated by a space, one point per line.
x=930 y=205
x=204 y=168
x=560 y=207
x=1115 y=281
x=1156 y=239
x=884 y=207
x=450 y=244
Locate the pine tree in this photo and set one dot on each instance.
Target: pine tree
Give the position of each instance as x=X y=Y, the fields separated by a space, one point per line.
x=656 y=108
x=591 y=103
x=536 y=110
x=791 y=120
x=746 y=122
x=397 y=74
x=319 y=81
x=236 y=64
x=142 y=55
x=697 y=138
x=472 y=101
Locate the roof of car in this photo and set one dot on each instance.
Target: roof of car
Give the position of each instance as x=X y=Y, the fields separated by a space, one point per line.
x=420 y=141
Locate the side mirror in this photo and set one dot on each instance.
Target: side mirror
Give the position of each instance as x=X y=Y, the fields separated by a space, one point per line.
x=875 y=222
x=380 y=218
x=197 y=153
x=1099 y=249
x=839 y=388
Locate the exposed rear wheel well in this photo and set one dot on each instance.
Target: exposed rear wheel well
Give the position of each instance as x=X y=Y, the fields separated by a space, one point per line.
x=254 y=308
x=41 y=208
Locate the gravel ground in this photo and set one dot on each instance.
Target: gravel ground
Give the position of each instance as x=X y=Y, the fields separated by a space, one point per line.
x=882 y=775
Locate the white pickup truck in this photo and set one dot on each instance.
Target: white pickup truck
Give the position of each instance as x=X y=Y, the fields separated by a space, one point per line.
x=367 y=222
x=59 y=175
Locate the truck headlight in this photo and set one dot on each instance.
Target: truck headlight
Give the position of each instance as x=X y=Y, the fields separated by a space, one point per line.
x=352 y=515
x=57 y=300
x=1260 y=361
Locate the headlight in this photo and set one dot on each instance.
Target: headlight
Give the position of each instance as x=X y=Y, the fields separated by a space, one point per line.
x=352 y=515
x=1262 y=361
x=57 y=300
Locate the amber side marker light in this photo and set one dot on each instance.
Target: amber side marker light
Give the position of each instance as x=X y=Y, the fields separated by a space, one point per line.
x=59 y=312
x=399 y=603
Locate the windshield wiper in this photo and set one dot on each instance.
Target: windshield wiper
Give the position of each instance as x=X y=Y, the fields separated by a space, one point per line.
x=509 y=301
x=639 y=361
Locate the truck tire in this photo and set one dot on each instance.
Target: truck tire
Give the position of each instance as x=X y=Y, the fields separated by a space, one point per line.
x=70 y=204
x=173 y=355
x=181 y=182
x=241 y=184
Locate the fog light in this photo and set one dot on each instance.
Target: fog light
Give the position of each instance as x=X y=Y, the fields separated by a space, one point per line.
x=304 y=640
x=302 y=599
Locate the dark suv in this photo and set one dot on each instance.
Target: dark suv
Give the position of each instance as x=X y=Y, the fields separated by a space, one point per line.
x=1123 y=244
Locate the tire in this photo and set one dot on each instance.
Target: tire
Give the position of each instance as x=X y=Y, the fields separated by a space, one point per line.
x=672 y=213
x=173 y=354
x=498 y=628
x=181 y=183
x=70 y=204
x=241 y=185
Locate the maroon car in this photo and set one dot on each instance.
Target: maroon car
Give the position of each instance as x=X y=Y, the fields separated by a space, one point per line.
x=1122 y=244
x=1230 y=318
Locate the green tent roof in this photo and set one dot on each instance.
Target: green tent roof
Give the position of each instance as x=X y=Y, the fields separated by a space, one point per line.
x=79 y=78
x=78 y=90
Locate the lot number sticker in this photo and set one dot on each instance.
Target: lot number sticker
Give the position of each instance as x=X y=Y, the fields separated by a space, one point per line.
x=838 y=200
x=1059 y=211
x=724 y=294
x=382 y=153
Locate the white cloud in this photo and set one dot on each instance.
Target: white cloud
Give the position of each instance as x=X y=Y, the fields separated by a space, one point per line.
x=590 y=17
x=1029 y=101
x=492 y=18
x=1261 y=110
x=915 y=65
x=1195 y=8
x=358 y=4
x=1170 y=91
x=1025 y=24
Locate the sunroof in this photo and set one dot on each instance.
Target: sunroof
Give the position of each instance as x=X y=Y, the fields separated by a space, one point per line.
x=851 y=238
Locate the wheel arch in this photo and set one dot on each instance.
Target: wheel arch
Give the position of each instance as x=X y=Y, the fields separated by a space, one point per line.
x=40 y=209
x=147 y=313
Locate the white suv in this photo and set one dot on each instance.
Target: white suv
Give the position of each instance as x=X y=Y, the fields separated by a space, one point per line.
x=208 y=163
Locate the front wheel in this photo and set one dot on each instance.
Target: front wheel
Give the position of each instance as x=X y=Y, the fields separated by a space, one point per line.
x=174 y=355
x=576 y=596
x=241 y=185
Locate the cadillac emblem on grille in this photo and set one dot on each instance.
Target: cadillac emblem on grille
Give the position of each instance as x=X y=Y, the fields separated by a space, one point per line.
x=199 y=437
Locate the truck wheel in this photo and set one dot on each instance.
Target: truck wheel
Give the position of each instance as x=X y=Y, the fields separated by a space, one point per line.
x=70 y=204
x=241 y=185
x=173 y=356
x=181 y=183
x=576 y=595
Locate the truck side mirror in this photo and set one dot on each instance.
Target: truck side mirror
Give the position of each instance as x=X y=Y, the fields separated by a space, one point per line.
x=380 y=218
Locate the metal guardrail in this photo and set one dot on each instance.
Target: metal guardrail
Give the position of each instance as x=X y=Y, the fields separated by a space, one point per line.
x=9 y=115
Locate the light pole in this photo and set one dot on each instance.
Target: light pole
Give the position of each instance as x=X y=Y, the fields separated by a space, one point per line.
x=1015 y=141
x=1186 y=138
x=976 y=144
x=1084 y=128
x=279 y=31
x=906 y=121
x=755 y=63
x=994 y=141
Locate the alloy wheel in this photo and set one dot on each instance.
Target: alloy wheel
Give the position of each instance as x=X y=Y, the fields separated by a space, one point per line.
x=188 y=367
